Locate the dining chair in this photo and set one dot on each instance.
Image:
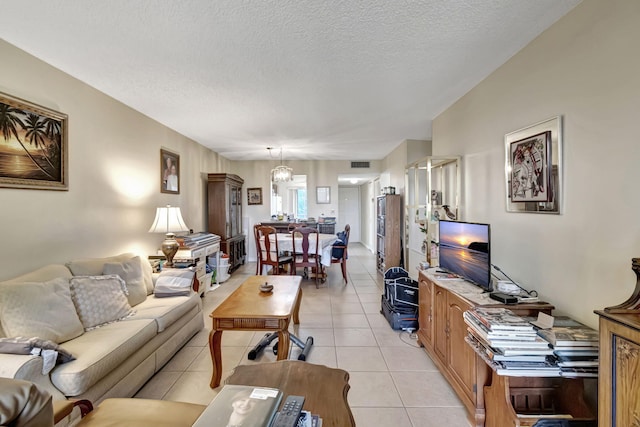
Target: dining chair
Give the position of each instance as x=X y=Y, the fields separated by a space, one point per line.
x=305 y=251
x=293 y=225
x=257 y=240
x=339 y=251
x=269 y=252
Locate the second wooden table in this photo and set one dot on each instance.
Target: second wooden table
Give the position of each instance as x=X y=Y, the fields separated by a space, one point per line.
x=249 y=309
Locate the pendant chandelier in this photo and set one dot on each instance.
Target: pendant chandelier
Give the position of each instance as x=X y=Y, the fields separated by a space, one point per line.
x=280 y=173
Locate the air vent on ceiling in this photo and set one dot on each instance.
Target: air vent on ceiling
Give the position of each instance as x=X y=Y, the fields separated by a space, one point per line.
x=360 y=165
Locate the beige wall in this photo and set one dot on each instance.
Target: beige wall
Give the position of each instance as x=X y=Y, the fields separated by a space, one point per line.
x=114 y=174
x=586 y=68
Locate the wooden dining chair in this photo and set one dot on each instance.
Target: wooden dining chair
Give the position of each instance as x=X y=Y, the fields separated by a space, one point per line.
x=293 y=225
x=269 y=252
x=305 y=252
x=258 y=255
x=339 y=251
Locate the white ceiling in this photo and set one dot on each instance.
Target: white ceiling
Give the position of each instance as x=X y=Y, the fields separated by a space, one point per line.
x=323 y=79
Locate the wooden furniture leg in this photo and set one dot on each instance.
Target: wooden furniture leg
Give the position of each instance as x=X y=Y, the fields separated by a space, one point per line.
x=215 y=341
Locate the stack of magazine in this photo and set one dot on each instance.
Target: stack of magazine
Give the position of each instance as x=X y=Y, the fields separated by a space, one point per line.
x=509 y=343
x=575 y=347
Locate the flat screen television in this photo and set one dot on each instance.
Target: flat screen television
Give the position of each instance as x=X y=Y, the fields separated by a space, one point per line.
x=465 y=251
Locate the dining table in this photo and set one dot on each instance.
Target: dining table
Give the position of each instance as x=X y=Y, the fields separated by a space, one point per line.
x=285 y=244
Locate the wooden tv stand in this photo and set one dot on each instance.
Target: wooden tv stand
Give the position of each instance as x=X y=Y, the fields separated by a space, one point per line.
x=522 y=401
x=442 y=331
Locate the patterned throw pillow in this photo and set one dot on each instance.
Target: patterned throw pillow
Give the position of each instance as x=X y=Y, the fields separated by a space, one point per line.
x=100 y=299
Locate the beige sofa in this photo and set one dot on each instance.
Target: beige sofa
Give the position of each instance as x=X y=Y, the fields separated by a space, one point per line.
x=111 y=360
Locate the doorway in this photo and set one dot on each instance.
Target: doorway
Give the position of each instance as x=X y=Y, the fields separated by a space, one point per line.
x=349 y=211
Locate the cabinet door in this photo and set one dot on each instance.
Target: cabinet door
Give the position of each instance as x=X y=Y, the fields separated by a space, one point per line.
x=236 y=214
x=425 y=314
x=461 y=357
x=440 y=325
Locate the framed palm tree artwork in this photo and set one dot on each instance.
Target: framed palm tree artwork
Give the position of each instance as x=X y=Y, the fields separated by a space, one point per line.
x=33 y=146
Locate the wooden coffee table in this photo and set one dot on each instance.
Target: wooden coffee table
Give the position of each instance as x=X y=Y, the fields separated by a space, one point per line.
x=249 y=309
x=324 y=389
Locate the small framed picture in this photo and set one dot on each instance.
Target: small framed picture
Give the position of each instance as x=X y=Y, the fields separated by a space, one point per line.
x=254 y=196
x=323 y=195
x=169 y=172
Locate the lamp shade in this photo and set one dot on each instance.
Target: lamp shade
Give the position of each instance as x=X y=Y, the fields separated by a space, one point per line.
x=168 y=220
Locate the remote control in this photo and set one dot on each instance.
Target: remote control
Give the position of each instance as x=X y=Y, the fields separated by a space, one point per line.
x=290 y=412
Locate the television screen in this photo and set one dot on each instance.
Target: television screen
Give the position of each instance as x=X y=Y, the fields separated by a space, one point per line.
x=465 y=251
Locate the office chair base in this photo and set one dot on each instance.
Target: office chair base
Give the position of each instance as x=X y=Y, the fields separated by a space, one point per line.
x=268 y=339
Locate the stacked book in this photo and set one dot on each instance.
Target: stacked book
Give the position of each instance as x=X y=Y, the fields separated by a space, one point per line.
x=575 y=347
x=509 y=343
x=196 y=240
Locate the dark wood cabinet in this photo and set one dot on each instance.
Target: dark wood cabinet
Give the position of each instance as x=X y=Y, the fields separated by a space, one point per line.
x=224 y=211
x=388 y=217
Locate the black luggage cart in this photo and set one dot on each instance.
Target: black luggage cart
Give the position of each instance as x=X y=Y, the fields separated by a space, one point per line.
x=399 y=302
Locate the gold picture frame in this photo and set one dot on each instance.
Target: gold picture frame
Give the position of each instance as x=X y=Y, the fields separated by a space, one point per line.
x=33 y=146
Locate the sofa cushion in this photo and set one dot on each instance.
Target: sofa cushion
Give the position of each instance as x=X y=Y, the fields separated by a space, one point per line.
x=100 y=351
x=95 y=266
x=165 y=311
x=100 y=299
x=43 y=310
x=131 y=272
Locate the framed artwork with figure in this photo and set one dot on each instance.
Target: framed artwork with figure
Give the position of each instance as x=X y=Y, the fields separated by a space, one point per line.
x=169 y=172
x=533 y=168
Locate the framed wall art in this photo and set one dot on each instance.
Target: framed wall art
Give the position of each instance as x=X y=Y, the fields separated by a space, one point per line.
x=33 y=146
x=169 y=172
x=533 y=166
x=254 y=196
x=323 y=195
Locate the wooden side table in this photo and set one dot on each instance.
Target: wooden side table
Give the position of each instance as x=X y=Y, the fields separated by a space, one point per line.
x=325 y=389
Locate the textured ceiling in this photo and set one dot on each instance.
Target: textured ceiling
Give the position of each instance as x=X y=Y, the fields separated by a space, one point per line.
x=323 y=79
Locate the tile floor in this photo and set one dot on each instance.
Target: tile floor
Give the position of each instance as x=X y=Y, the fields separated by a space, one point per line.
x=393 y=381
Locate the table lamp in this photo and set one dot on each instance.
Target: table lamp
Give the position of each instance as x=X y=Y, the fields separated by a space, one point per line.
x=169 y=221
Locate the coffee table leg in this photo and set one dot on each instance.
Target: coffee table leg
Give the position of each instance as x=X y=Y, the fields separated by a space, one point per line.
x=296 y=309
x=215 y=339
x=283 y=345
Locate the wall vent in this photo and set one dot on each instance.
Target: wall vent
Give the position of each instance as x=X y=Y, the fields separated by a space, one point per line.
x=360 y=165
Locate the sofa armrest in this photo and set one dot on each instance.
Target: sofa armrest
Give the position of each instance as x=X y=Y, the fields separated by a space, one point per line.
x=29 y=368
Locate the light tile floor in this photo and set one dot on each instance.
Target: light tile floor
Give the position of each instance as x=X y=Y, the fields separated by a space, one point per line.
x=393 y=382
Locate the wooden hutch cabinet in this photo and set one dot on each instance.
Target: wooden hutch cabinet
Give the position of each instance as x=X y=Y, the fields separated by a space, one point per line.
x=442 y=333
x=388 y=217
x=225 y=215
x=619 y=364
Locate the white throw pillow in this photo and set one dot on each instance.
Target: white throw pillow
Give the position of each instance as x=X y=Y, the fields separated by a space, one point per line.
x=100 y=299
x=131 y=272
x=173 y=283
x=43 y=310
